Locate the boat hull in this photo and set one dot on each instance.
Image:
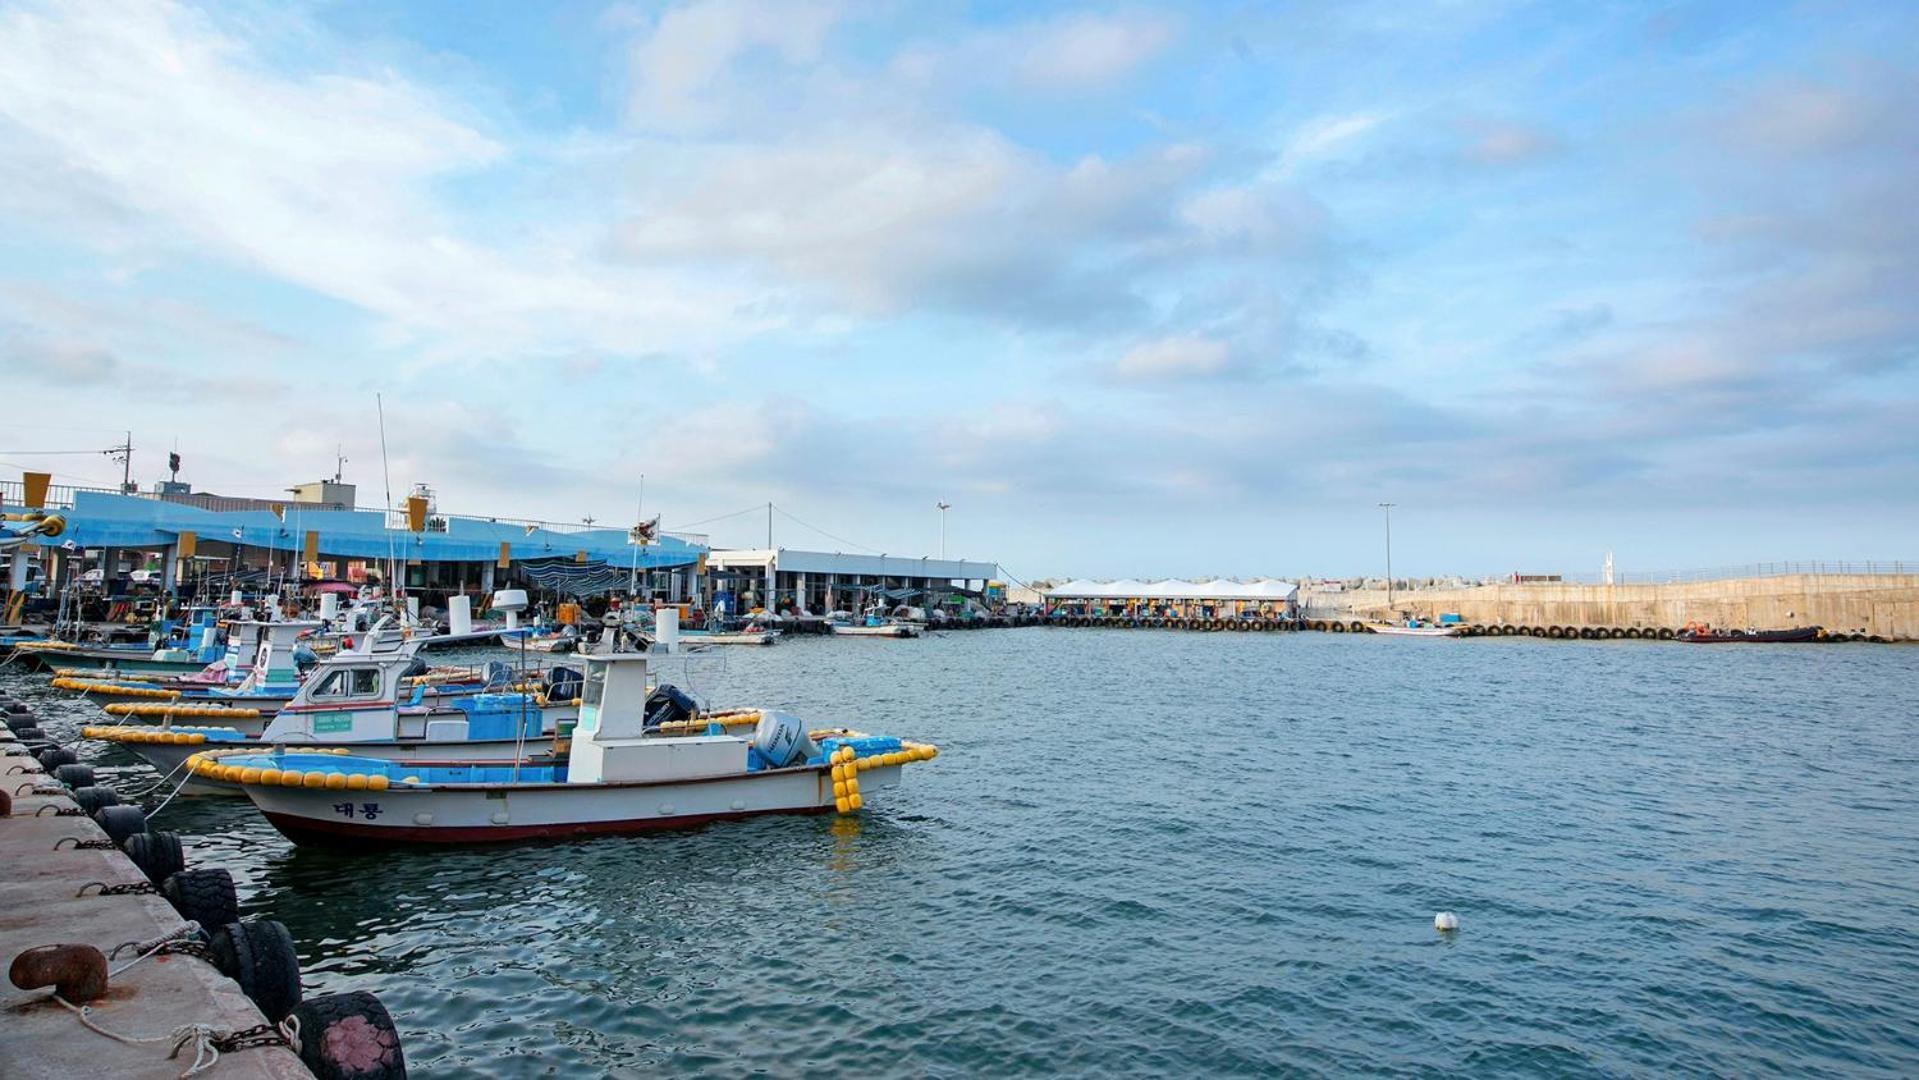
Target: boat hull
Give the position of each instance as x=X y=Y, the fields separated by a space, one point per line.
x=1416 y=631
x=894 y=631
x=103 y=660
x=695 y=637
x=166 y=757
x=481 y=814
x=1758 y=637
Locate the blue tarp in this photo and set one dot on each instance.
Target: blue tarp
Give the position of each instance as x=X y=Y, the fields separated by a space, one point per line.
x=100 y=520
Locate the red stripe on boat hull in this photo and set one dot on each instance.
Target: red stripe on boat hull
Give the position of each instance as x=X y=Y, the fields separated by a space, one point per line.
x=317 y=833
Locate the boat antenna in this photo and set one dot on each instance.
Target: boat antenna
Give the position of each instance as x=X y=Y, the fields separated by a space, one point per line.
x=386 y=478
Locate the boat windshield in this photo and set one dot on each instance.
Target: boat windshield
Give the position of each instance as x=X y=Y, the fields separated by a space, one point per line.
x=595 y=684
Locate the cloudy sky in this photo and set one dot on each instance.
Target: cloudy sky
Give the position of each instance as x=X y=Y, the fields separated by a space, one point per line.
x=1139 y=290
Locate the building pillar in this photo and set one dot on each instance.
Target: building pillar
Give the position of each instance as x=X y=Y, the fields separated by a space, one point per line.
x=772 y=581
x=170 y=567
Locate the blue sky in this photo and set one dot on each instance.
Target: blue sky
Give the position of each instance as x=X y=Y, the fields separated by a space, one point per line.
x=1139 y=290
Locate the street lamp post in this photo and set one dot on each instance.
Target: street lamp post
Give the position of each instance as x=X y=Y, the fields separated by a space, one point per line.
x=943 y=508
x=1388 y=507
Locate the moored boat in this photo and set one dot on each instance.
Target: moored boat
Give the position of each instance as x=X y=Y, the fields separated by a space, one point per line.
x=1702 y=634
x=354 y=700
x=619 y=777
x=1415 y=628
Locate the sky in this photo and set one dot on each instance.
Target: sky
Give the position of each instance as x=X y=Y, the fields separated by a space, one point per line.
x=1138 y=290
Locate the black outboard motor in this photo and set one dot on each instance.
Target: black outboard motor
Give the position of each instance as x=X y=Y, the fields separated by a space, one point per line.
x=564 y=683
x=498 y=675
x=667 y=703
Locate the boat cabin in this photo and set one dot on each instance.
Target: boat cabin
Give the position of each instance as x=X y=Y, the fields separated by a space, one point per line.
x=610 y=743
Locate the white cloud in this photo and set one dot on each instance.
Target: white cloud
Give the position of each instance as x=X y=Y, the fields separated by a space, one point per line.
x=681 y=66
x=1169 y=358
x=1085 y=49
x=1324 y=138
x=187 y=145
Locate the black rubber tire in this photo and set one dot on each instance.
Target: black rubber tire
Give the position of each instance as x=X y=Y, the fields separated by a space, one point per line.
x=28 y=732
x=363 y=1043
x=55 y=756
x=94 y=799
x=74 y=776
x=121 y=822
x=258 y=954
x=203 y=896
x=157 y=854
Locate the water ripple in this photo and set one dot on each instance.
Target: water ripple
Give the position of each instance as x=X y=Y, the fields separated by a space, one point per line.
x=1162 y=853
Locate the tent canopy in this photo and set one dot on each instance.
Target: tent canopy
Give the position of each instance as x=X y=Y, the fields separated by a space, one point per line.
x=1265 y=589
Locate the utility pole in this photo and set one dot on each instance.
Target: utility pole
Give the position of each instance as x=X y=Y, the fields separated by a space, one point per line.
x=944 y=506
x=125 y=453
x=1388 y=507
x=769 y=526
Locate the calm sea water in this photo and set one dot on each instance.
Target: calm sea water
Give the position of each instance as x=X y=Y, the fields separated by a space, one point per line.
x=1164 y=853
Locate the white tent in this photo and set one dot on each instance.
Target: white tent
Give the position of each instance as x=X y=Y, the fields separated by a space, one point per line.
x=1219 y=589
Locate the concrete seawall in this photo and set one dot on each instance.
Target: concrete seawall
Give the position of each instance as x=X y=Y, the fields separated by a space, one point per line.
x=1885 y=605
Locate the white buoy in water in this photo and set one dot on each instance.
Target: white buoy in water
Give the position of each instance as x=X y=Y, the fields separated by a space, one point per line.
x=1445 y=921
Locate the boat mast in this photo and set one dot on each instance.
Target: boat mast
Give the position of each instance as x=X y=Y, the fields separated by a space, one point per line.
x=1388 y=507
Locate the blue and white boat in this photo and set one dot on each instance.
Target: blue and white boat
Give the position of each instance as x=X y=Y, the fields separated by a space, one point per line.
x=620 y=775
x=359 y=700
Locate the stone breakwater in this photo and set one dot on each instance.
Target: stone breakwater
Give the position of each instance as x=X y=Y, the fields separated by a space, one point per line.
x=1884 y=606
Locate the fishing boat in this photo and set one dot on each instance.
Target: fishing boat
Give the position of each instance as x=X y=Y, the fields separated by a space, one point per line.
x=749 y=633
x=873 y=625
x=618 y=777
x=260 y=668
x=355 y=701
x=1702 y=634
x=174 y=650
x=1416 y=628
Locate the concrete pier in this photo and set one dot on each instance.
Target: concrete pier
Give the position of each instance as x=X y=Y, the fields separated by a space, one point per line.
x=38 y=906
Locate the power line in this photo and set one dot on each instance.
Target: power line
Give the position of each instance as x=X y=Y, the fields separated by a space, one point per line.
x=707 y=521
x=828 y=535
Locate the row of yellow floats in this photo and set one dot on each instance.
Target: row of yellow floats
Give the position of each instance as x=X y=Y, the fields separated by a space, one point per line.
x=208 y=766
x=171 y=711
x=847 y=767
x=94 y=686
x=143 y=735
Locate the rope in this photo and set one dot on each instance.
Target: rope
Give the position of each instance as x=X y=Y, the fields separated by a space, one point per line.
x=177 y=788
x=207 y=1041
x=150 y=948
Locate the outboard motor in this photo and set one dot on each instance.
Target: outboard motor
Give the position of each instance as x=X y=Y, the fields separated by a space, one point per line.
x=499 y=674
x=781 y=739
x=667 y=703
x=565 y=683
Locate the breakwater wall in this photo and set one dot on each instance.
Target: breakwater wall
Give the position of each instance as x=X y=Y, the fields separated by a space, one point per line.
x=1876 y=605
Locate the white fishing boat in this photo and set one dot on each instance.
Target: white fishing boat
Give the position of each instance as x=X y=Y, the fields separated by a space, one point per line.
x=747 y=633
x=872 y=625
x=359 y=700
x=1416 y=628
x=620 y=777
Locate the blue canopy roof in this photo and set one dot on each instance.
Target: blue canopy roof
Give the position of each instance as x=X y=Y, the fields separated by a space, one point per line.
x=107 y=520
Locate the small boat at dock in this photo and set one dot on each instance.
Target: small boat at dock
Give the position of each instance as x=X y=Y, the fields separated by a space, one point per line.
x=1702 y=634
x=619 y=776
x=1416 y=628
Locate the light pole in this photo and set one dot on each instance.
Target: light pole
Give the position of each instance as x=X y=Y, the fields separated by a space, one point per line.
x=943 y=508
x=1388 y=507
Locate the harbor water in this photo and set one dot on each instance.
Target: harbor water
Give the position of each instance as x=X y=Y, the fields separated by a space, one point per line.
x=1151 y=853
